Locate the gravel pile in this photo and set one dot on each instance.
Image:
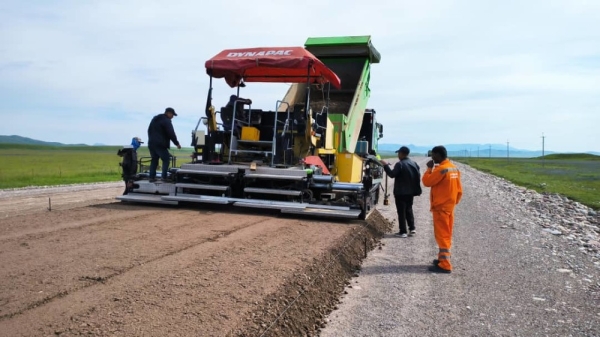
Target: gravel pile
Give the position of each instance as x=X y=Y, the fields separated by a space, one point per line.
x=556 y=214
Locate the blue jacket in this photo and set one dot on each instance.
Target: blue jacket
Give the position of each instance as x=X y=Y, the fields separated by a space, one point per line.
x=407 y=177
x=161 y=132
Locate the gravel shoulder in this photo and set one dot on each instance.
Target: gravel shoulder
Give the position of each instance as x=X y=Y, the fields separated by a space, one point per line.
x=520 y=270
x=21 y=201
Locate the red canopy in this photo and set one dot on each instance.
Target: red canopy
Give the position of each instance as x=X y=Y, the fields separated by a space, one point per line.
x=273 y=64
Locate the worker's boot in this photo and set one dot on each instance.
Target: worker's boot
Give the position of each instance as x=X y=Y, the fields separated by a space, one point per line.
x=438 y=269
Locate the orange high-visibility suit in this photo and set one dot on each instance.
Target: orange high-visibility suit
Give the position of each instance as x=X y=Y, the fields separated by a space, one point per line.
x=446 y=191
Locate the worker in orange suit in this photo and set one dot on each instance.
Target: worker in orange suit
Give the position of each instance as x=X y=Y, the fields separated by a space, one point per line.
x=446 y=192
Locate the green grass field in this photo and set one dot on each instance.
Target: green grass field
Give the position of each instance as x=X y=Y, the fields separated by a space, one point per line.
x=31 y=165
x=576 y=176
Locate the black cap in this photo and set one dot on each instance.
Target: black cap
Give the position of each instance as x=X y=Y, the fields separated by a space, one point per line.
x=171 y=110
x=441 y=150
x=404 y=150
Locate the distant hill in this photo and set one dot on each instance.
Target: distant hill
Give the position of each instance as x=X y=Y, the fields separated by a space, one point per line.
x=29 y=141
x=473 y=150
x=454 y=150
x=573 y=156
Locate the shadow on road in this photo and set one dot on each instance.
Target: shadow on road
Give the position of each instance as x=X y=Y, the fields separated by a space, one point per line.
x=406 y=269
x=226 y=209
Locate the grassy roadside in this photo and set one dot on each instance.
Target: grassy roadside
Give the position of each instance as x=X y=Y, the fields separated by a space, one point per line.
x=31 y=165
x=576 y=176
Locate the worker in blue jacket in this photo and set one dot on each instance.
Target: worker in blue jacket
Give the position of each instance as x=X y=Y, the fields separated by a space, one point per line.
x=160 y=136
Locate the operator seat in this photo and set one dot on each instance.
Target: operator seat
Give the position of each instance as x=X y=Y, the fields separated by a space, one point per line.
x=299 y=117
x=226 y=117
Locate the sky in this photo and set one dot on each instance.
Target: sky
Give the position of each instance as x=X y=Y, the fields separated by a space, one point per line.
x=470 y=71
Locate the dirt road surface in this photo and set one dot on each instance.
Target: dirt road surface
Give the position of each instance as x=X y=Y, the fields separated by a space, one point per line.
x=77 y=262
x=92 y=266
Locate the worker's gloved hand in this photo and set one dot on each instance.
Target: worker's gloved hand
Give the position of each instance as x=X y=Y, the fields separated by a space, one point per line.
x=179 y=146
x=430 y=164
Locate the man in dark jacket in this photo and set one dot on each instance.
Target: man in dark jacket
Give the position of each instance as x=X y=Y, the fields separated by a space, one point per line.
x=407 y=185
x=160 y=135
x=240 y=114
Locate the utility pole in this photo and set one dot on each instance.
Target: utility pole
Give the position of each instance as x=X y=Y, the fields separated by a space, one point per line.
x=543 y=157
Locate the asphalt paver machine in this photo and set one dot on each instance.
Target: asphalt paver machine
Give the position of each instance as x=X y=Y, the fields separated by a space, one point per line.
x=314 y=153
